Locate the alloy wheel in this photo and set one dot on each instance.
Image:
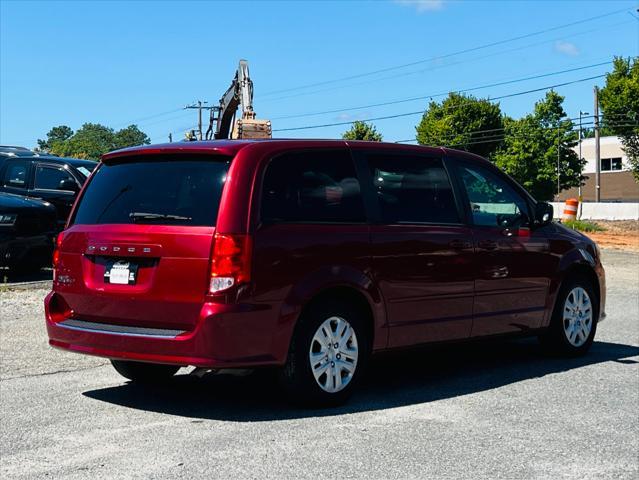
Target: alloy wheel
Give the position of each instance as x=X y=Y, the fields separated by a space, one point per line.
x=333 y=354
x=577 y=316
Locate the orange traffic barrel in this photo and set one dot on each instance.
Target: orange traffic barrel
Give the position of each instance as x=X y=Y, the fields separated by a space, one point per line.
x=570 y=209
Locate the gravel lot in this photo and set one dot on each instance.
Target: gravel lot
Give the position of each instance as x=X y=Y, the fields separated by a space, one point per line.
x=489 y=410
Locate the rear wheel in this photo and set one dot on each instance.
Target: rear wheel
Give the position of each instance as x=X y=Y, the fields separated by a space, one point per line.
x=328 y=353
x=144 y=372
x=574 y=321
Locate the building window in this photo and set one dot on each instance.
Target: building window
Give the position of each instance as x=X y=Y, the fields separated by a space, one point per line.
x=610 y=164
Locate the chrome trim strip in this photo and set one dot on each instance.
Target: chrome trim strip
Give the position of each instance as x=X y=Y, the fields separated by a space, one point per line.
x=120 y=330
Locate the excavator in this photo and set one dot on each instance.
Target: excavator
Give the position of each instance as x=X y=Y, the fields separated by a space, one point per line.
x=222 y=122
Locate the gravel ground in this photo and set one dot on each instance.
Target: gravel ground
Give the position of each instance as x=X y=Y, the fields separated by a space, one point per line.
x=488 y=410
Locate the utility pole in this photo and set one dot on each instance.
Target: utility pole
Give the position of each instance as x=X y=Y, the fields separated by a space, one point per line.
x=581 y=197
x=199 y=106
x=597 y=149
x=558 y=162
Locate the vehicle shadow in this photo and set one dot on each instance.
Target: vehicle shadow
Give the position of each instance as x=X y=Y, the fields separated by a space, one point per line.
x=393 y=380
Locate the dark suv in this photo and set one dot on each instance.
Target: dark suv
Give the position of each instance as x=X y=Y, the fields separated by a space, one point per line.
x=45 y=177
x=309 y=256
x=27 y=232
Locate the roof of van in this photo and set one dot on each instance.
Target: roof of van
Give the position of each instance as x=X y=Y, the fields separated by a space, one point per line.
x=231 y=147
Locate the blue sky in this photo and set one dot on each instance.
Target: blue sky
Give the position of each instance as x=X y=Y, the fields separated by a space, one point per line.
x=118 y=63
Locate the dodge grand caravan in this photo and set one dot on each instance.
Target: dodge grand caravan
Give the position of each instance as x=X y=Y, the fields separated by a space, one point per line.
x=310 y=256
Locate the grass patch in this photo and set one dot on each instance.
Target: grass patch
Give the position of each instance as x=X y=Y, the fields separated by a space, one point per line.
x=583 y=226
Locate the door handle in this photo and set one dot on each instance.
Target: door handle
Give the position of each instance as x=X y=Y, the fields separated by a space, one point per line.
x=487 y=245
x=460 y=244
x=498 y=272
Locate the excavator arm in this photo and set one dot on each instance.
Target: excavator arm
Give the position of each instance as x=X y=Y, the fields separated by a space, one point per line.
x=240 y=93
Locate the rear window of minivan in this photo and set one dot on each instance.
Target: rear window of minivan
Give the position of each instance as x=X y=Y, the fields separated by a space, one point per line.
x=167 y=190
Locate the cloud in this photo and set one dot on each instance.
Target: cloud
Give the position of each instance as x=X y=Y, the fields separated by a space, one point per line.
x=422 y=5
x=344 y=117
x=351 y=117
x=566 y=48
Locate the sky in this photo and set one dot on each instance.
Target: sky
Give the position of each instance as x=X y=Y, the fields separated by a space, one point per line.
x=312 y=63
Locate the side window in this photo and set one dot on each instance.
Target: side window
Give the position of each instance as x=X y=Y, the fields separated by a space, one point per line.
x=312 y=187
x=610 y=164
x=15 y=175
x=412 y=189
x=51 y=178
x=492 y=201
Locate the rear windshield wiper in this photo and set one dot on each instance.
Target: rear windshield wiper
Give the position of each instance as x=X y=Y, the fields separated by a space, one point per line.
x=137 y=216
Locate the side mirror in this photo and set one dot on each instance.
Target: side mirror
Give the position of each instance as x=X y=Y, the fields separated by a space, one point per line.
x=68 y=185
x=543 y=214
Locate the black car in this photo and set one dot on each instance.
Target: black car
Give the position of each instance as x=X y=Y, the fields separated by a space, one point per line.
x=18 y=151
x=53 y=179
x=27 y=232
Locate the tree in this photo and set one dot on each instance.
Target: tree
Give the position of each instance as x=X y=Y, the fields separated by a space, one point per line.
x=529 y=151
x=56 y=134
x=619 y=100
x=129 y=137
x=463 y=122
x=604 y=131
x=362 y=131
x=93 y=140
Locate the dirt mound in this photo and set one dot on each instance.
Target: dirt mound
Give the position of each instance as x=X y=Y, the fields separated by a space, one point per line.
x=621 y=234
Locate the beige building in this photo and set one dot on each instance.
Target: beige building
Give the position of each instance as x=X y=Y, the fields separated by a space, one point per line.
x=616 y=181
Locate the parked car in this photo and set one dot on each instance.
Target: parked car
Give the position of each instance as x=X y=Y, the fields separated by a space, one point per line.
x=17 y=151
x=309 y=256
x=27 y=231
x=53 y=179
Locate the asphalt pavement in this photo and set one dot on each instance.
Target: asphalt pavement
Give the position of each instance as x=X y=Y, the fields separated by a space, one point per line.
x=486 y=410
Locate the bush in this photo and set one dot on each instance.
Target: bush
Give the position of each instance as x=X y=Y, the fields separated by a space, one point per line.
x=583 y=226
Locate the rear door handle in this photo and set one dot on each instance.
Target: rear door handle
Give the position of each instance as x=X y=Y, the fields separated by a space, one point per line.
x=487 y=245
x=498 y=272
x=460 y=244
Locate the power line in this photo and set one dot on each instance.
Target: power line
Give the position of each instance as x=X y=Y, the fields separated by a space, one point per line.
x=175 y=117
x=423 y=97
x=135 y=122
x=502 y=129
x=178 y=130
x=503 y=136
x=436 y=67
x=386 y=117
x=440 y=57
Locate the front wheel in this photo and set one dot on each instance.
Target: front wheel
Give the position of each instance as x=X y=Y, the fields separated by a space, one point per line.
x=574 y=320
x=140 y=372
x=328 y=353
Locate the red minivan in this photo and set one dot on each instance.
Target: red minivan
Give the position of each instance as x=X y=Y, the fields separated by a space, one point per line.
x=309 y=256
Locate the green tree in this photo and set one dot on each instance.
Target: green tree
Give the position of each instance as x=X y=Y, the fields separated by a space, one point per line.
x=529 y=151
x=362 y=131
x=463 y=122
x=56 y=134
x=130 y=137
x=604 y=131
x=93 y=140
x=619 y=100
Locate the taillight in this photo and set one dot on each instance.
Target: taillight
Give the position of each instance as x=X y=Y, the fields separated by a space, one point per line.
x=56 y=253
x=230 y=261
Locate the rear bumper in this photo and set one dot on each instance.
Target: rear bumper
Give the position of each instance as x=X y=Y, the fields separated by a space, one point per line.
x=225 y=336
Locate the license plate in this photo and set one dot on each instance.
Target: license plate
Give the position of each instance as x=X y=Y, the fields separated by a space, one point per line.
x=121 y=272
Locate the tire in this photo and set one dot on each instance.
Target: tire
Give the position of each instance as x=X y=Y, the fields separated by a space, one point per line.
x=342 y=366
x=569 y=333
x=139 y=372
